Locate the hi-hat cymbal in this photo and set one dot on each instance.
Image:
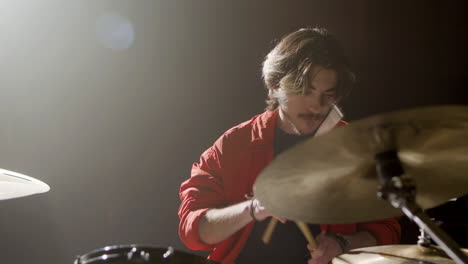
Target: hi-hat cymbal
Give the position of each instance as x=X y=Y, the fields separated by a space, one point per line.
x=332 y=178
x=14 y=185
x=395 y=254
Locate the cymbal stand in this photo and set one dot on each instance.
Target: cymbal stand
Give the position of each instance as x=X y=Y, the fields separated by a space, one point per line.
x=400 y=191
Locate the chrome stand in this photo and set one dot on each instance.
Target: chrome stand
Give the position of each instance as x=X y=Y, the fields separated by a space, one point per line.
x=400 y=191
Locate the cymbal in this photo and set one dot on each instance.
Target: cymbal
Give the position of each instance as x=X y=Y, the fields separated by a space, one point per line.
x=394 y=254
x=331 y=178
x=14 y=185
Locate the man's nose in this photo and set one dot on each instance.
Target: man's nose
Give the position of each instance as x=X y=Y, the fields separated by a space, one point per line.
x=315 y=103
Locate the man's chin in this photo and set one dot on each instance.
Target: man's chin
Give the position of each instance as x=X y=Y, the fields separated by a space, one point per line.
x=309 y=130
x=308 y=127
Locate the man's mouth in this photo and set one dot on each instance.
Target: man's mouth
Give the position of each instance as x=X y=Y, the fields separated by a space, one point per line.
x=311 y=117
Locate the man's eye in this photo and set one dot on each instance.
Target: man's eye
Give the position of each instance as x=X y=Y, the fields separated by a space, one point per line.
x=331 y=93
x=309 y=91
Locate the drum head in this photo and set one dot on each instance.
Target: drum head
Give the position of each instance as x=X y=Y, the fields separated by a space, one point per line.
x=126 y=254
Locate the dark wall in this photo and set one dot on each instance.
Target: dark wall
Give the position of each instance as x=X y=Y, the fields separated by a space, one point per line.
x=414 y=53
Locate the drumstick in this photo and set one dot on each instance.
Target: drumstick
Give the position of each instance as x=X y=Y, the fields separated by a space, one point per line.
x=269 y=230
x=308 y=235
x=302 y=226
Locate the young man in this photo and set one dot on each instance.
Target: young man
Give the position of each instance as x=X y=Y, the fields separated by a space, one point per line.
x=306 y=74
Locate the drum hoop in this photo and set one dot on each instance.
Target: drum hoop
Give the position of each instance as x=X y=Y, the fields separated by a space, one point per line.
x=86 y=258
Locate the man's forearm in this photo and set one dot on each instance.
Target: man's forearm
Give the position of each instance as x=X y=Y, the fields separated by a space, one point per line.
x=218 y=224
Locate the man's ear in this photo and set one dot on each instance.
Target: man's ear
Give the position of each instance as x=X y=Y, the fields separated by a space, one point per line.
x=274 y=89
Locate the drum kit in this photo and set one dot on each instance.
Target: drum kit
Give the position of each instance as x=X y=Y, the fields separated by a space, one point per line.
x=387 y=165
x=124 y=254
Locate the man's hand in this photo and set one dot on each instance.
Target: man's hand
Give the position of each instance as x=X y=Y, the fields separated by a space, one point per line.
x=327 y=249
x=260 y=213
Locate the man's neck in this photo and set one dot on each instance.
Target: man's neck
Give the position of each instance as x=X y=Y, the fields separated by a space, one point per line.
x=286 y=124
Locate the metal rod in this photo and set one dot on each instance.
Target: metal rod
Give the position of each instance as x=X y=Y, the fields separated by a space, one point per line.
x=416 y=214
x=400 y=191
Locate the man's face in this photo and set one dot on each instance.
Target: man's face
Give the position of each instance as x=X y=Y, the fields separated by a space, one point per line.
x=306 y=111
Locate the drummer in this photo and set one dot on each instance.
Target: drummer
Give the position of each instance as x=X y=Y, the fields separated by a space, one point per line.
x=306 y=74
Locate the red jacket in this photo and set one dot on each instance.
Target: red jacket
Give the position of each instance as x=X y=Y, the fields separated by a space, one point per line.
x=226 y=173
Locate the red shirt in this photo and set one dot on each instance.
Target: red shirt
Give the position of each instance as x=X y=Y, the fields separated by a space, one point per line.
x=225 y=175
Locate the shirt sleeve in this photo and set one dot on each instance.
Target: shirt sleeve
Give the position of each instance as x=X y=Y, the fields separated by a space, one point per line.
x=386 y=231
x=202 y=191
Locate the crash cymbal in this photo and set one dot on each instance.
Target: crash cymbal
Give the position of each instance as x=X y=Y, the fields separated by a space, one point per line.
x=332 y=178
x=394 y=254
x=14 y=185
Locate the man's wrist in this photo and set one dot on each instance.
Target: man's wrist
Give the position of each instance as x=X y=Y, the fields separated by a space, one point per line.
x=252 y=210
x=342 y=241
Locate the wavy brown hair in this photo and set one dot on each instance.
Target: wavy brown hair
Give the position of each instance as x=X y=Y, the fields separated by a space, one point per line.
x=287 y=66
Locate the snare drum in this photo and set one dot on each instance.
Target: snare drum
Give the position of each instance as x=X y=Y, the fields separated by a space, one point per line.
x=126 y=254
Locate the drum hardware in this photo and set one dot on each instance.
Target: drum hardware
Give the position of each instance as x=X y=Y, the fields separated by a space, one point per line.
x=400 y=191
x=333 y=178
x=127 y=254
x=424 y=240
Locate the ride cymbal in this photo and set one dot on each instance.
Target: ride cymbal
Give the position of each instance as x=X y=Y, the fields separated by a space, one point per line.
x=332 y=178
